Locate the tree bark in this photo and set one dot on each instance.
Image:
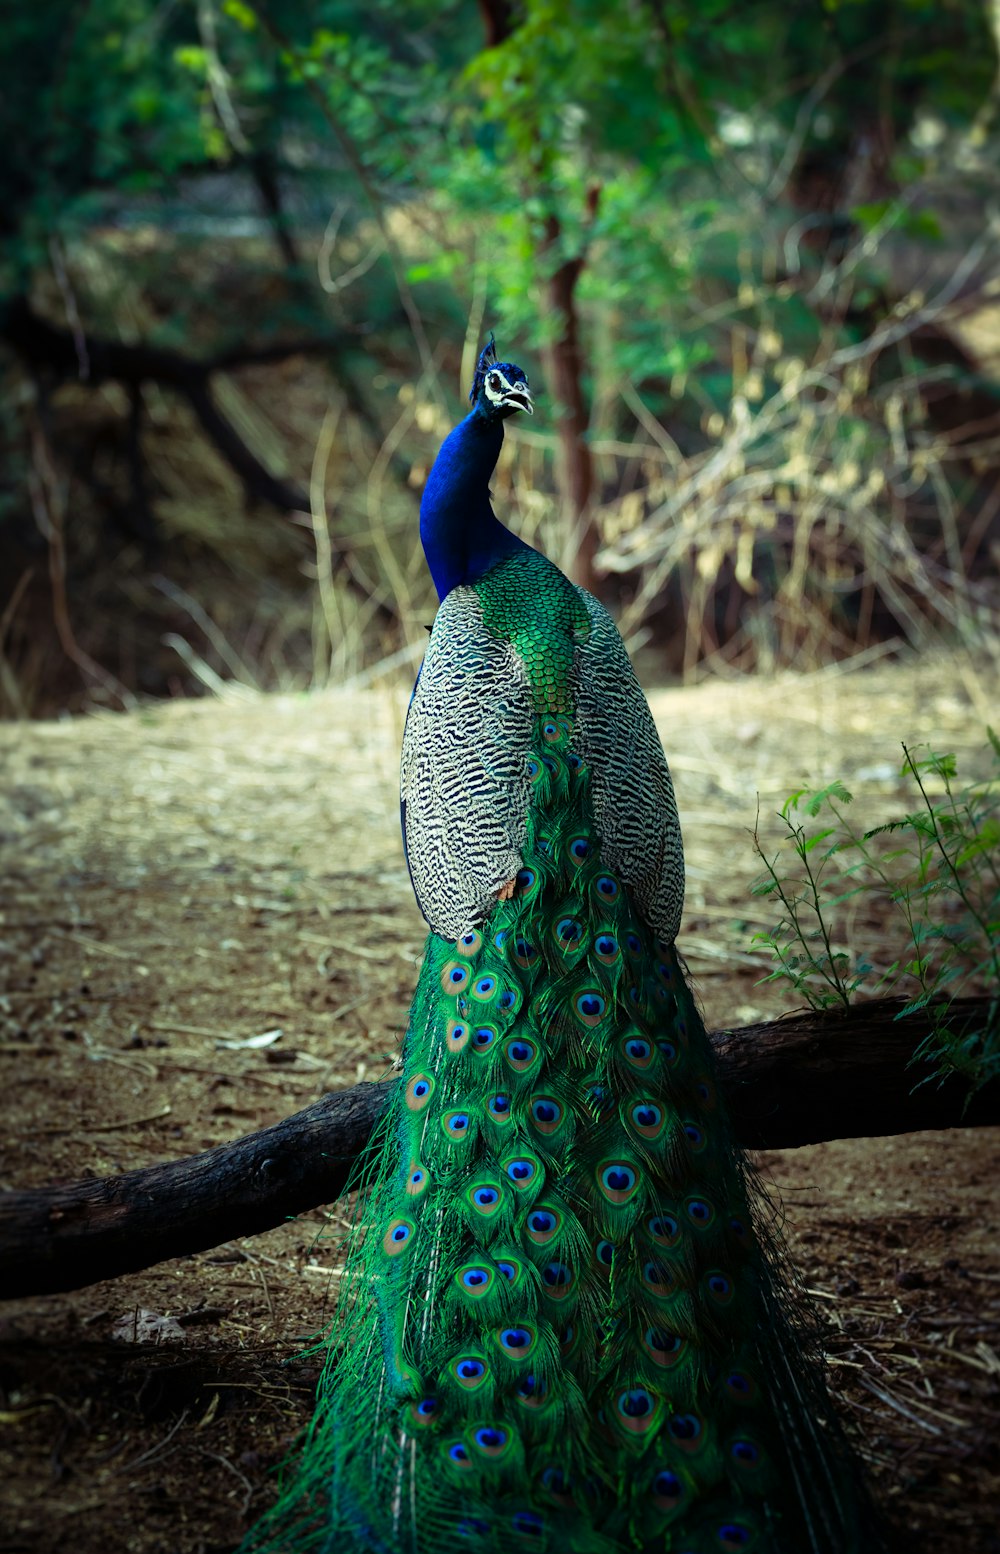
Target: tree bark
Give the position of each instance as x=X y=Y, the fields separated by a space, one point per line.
x=564 y=357
x=575 y=466
x=797 y=1081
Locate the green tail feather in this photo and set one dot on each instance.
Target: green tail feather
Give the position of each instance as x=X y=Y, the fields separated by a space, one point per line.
x=557 y=1327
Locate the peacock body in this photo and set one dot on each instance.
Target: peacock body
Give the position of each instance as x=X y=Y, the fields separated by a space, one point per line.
x=558 y=1327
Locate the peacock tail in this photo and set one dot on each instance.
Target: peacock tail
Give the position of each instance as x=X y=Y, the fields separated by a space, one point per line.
x=559 y=1326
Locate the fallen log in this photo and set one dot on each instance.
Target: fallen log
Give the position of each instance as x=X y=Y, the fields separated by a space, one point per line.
x=800 y=1080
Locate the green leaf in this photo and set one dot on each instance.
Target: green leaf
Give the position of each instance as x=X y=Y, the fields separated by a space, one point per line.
x=813 y=841
x=240 y=13
x=985 y=840
x=191 y=56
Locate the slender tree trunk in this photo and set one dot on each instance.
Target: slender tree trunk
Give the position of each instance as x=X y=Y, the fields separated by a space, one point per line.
x=575 y=467
x=564 y=357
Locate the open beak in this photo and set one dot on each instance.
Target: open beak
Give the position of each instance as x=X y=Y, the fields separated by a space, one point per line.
x=518 y=399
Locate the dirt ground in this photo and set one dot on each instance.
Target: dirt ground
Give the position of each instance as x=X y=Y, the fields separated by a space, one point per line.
x=185 y=878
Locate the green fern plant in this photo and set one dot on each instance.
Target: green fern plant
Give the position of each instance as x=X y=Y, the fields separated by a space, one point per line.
x=938 y=871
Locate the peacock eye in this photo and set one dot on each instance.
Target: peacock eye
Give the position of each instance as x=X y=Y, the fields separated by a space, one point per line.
x=493 y=380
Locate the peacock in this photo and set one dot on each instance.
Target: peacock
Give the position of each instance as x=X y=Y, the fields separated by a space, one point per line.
x=560 y=1325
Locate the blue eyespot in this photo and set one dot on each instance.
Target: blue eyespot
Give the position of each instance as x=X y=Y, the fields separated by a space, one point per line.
x=556 y=1275
x=542 y=1221
x=485 y=987
x=524 y=879
x=663 y=1227
x=485 y=1197
x=591 y=1006
x=667 y=1486
x=507 y=1000
x=500 y=1105
x=471 y=1370
x=733 y=1536
x=475 y=1278
x=520 y=1171
x=490 y=1438
x=605 y=1252
x=426 y=1407
x=579 y=848
x=458 y=1452
x=745 y=1452
x=635 y=1404
x=528 y=1523
x=508 y=1270
x=607 y=887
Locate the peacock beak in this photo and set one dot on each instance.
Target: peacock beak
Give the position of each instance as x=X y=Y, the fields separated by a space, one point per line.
x=518 y=398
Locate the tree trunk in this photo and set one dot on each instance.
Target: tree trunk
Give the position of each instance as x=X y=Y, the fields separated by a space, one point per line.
x=575 y=467
x=797 y=1081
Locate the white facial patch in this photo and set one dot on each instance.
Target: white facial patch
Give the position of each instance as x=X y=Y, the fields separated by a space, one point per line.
x=498 y=386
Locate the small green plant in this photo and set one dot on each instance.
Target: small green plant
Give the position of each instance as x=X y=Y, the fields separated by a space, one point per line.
x=938 y=871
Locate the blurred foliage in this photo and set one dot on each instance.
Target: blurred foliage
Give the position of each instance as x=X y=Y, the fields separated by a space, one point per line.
x=780 y=218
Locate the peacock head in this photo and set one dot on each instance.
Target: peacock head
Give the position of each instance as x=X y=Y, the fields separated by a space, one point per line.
x=499 y=388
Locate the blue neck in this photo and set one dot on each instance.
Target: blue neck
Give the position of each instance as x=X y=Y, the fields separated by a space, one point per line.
x=461 y=536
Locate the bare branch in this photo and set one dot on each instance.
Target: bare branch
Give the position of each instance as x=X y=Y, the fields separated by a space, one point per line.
x=796 y=1081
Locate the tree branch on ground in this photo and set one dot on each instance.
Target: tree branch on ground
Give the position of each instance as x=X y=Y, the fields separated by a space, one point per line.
x=800 y=1080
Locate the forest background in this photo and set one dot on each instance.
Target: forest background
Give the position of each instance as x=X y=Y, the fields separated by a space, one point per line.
x=747 y=253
